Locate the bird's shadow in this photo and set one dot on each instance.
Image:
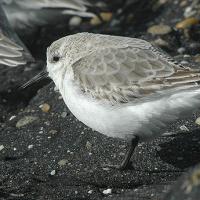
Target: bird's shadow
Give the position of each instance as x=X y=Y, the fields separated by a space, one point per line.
x=183 y=151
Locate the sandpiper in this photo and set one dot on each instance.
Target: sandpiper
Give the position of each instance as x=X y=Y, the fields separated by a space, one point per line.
x=122 y=87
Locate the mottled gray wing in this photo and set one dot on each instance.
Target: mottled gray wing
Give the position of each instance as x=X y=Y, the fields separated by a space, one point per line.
x=123 y=74
x=10 y=52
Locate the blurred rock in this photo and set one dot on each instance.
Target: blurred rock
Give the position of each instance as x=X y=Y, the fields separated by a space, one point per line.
x=75 y=21
x=187 y=23
x=159 y=29
x=187 y=188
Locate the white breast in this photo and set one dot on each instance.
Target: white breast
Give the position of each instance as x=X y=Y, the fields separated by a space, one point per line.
x=147 y=120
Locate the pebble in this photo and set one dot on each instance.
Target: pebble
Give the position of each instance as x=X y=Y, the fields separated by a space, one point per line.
x=90 y=191
x=160 y=42
x=12 y=117
x=30 y=146
x=197 y=121
x=53 y=132
x=106 y=16
x=183 y=3
x=197 y=58
x=181 y=50
x=25 y=121
x=45 y=107
x=88 y=145
x=1 y=147
x=184 y=62
x=189 y=12
x=53 y=172
x=107 y=191
x=184 y=128
x=187 y=23
x=161 y=2
x=62 y=162
x=160 y=29
x=64 y=114
x=75 y=21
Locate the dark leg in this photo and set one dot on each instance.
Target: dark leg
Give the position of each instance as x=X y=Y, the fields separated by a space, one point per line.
x=125 y=162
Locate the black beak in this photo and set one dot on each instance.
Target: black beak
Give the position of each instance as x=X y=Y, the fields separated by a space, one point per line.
x=42 y=75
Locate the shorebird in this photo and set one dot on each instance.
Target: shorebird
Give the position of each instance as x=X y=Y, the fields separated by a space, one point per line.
x=122 y=87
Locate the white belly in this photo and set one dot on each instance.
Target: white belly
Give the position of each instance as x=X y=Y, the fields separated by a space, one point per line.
x=104 y=118
x=147 y=120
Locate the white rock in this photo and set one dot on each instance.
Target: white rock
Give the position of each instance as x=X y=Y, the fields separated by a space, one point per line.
x=1 y=147
x=75 y=21
x=12 y=117
x=53 y=172
x=184 y=128
x=90 y=191
x=30 y=146
x=107 y=191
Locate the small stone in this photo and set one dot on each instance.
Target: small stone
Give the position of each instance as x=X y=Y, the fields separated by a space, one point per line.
x=16 y=195
x=64 y=114
x=75 y=21
x=90 y=191
x=197 y=58
x=25 y=121
x=160 y=29
x=186 y=56
x=184 y=62
x=106 y=168
x=45 y=107
x=107 y=191
x=189 y=12
x=88 y=145
x=12 y=117
x=1 y=147
x=187 y=23
x=53 y=132
x=184 y=128
x=106 y=17
x=62 y=162
x=181 y=50
x=197 y=121
x=160 y=42
x=30 y=146
x=53 y=172
x=183 y=3
x=161 y=2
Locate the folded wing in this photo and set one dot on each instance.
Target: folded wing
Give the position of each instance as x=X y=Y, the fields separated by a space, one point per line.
x=122 y=74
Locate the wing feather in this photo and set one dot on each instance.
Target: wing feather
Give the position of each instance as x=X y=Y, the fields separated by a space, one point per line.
x=39 y=4
x=121 y=74
x=10 y=53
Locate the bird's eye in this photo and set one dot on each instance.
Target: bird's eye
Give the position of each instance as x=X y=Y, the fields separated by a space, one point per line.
x=55 y=58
